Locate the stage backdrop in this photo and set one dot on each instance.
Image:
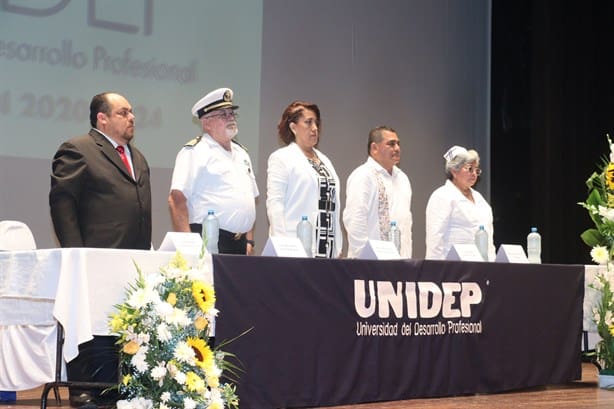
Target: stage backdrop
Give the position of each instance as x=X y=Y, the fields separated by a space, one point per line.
x=420 y=66
x=334 y=332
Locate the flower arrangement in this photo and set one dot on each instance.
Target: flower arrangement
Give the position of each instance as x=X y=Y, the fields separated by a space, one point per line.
x=604 y=319
x=164 y=328
x=600 y=207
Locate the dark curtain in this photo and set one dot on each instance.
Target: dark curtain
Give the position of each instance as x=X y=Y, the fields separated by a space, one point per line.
x=552 y=106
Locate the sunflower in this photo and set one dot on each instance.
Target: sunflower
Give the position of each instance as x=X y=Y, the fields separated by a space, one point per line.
x=204 y=355
x=204 y=295
x=609 y=176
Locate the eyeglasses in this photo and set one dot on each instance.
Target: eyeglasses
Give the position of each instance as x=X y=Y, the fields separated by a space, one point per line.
x=225 y=115
x=472 y=169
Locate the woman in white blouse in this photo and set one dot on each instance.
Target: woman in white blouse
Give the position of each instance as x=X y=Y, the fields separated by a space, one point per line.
x=301 y=181
x=455 y=211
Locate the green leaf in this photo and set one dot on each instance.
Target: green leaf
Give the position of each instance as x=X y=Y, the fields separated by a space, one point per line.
x=592 y=237
x=595 y=199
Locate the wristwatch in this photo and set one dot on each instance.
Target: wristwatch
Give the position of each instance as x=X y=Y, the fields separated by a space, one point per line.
x=252 y=242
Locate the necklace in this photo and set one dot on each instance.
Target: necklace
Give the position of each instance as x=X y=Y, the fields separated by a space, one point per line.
x=312 y=157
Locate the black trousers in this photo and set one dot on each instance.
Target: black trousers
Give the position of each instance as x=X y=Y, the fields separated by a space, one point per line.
x=228 y=242
x=98 y=361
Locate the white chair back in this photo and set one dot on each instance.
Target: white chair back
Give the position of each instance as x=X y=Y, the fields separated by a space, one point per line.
x=16 y=235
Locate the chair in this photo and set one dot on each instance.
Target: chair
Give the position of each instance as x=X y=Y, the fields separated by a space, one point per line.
x=16 y=235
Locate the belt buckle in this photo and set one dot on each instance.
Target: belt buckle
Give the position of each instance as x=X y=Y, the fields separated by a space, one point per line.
x=237 y=236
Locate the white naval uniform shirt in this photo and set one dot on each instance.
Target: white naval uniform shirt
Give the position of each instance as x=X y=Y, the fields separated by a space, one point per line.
x=212 y=178
x=361 y=216
x=451 y=219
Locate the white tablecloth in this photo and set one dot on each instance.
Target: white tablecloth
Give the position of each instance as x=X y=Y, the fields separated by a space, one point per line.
x=78 y=287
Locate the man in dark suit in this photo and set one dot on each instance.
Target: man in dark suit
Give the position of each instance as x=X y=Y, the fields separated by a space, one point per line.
x=101 y=197
x=96 y=201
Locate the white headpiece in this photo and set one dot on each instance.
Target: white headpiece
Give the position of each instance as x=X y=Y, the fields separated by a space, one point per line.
x=453 y=152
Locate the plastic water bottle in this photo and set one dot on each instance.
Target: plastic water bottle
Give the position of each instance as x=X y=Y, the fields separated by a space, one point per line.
x=481 y=241
x=395 y=235
x=304 y=231
x=211 y=232
x=534 y=246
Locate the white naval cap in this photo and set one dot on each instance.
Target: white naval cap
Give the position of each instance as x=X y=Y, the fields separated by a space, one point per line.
x=217 y=99
x=454 y=152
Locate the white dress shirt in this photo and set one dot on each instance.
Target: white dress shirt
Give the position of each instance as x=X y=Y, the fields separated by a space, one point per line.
x=451 y=219
x=361 y=215
x=212 y=178
x=293 y=192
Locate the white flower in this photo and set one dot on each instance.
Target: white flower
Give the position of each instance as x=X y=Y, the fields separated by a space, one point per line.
x=211 y=314
x=215 y=371
x=165 y=397
x=159 y=372
x=141 y=297
x=142 y=338
x=164 y=309
x=612 y=152
x=180 y=377
x=123 y=404
x=154 y=279
x=136 y=403
x=164 y=334
x=184 y=353
x=179 y=318
x=214 y=396
x=188 y=403
x=216 y=403
x=139 y=360
x=607 y=213
x=172 y=369
x=600 y=255
x=142 y=403
x=175 y=273
x=194 y=274
x=163 y=406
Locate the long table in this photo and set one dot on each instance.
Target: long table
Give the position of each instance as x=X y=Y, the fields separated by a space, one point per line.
x=322 y=332
x=76 y=287
x=335 y=332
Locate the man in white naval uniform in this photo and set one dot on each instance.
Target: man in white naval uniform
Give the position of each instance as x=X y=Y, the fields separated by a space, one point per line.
x=214 y=172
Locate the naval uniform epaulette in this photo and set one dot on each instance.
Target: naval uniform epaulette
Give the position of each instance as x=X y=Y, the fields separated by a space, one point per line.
x=244 y=148
x=194 y=141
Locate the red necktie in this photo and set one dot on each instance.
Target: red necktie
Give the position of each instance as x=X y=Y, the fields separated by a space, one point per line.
x=122 y=155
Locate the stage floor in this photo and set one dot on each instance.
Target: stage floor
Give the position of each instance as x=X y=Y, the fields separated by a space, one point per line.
x=582 y=394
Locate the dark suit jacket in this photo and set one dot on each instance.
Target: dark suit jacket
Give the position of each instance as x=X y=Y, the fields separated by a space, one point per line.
x=94 y=201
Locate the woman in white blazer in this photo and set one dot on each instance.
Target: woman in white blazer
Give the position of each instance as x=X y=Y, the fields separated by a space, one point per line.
x=455 y=211
x=301 y=181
